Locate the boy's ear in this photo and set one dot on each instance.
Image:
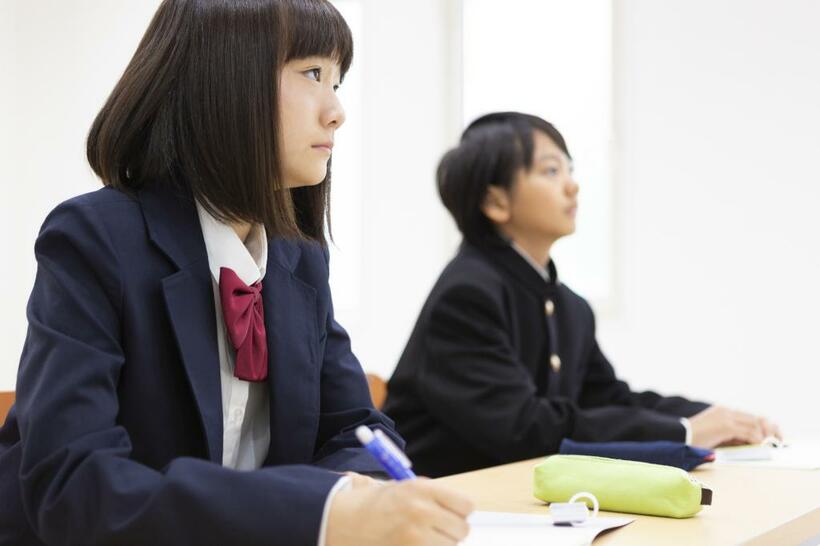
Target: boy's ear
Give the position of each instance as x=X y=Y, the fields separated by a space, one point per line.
x=496 y=205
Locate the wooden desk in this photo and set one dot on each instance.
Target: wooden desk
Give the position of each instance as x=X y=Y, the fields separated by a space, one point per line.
x=753 y=506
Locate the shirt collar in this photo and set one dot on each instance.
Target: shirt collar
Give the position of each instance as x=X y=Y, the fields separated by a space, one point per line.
x=501 y=253
x=225 y=249
x=540 y=269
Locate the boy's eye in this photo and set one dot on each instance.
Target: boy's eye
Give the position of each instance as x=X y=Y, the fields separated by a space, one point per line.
x=314 y=74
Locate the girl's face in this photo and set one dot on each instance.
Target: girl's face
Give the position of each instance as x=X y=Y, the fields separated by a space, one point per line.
x=542 y=202
x=310 y=113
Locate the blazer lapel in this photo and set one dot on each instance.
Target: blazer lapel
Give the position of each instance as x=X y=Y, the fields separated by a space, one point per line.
x=173 y=226
x=294 y=359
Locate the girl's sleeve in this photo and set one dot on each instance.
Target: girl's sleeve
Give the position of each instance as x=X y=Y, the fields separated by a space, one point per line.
x=345 y=403
x=78 y=483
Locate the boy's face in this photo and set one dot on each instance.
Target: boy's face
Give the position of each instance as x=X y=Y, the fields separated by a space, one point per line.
x=542 y=202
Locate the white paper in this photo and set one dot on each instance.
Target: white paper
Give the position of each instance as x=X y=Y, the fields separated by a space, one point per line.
x=799 y=456
x=744 y=453
x=511 y=529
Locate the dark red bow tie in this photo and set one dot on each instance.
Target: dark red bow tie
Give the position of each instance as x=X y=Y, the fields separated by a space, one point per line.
x=245 y=321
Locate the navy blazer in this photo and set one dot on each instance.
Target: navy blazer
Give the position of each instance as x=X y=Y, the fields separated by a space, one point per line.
x=116 y=436
x=475 y=386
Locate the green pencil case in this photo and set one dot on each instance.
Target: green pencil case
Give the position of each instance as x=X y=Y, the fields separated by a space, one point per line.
x=621 y=486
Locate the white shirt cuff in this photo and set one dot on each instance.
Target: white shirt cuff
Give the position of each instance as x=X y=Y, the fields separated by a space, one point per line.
x=688 y=428
x=343 y=482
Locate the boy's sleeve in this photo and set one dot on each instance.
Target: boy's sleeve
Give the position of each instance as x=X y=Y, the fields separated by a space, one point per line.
x=475 y=384
x=602 y=388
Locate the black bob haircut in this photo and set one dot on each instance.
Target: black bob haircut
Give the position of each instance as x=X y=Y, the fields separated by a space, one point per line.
x=492 y=150
x=197 y=107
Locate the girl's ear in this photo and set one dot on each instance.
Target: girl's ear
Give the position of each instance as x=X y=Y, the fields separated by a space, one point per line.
x=496 y=205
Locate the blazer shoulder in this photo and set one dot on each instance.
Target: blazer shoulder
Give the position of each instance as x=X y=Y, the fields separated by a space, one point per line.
x=93 y=206
x=313 y=254
x=99 y=201
x=306 y=260
x=76 y=242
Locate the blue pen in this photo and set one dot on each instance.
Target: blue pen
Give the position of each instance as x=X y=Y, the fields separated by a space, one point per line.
x=395 y=463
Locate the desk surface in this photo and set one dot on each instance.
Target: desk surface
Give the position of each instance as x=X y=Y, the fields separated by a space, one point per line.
x=750 y=505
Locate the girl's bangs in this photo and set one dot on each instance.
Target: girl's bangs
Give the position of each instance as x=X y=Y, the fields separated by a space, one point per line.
x=317 y=29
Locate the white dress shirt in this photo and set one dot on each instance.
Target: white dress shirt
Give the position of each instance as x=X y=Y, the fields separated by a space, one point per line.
x=245 y=405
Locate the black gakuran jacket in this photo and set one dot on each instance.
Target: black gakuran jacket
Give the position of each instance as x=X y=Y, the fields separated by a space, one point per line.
x=503 y=364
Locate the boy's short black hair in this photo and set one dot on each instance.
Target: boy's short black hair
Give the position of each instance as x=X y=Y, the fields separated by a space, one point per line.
x=492 y=150
x=197 y=106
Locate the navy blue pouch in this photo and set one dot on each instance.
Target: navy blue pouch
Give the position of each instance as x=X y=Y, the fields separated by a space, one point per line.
x=667 y=453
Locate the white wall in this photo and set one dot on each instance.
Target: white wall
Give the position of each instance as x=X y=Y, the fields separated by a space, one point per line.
x=409 y=67
x=59 y=61
x=553 y=58
x=715 y=179
x=718 y=186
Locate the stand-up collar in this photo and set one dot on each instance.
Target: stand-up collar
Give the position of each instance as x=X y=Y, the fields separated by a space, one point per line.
x=501 y=254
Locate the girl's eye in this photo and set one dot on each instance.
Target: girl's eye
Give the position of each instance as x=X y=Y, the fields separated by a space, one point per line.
x=314 y=74
x=551 y=171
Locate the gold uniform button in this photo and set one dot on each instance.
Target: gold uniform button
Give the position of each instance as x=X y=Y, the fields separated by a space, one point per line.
x=555 y=362
x=549 y=307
